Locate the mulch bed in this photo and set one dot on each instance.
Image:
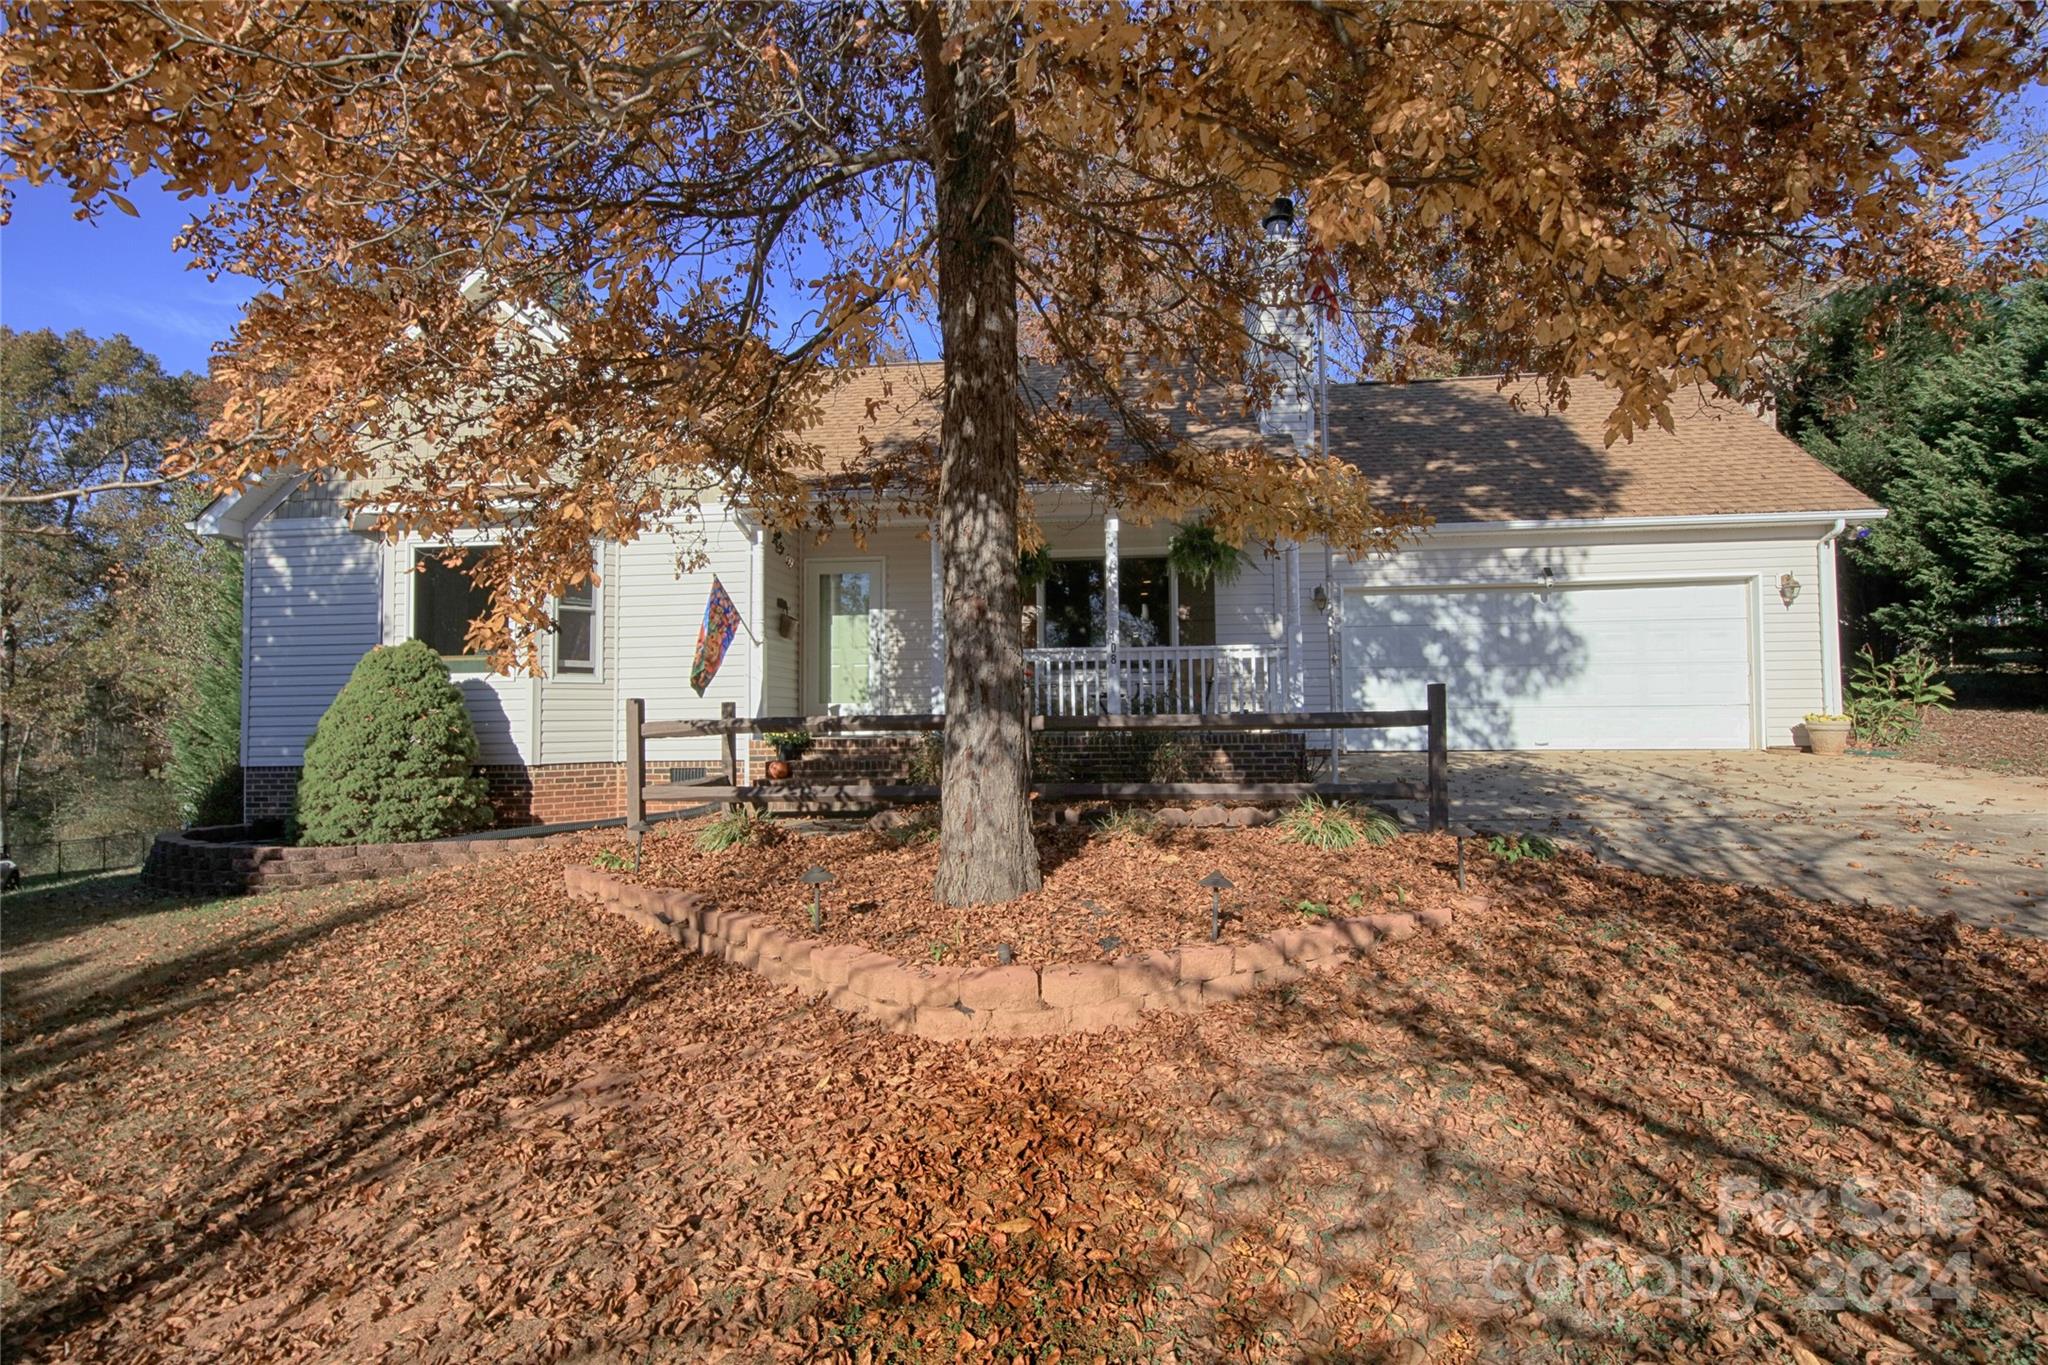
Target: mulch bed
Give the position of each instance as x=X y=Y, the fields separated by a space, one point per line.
x=1104 y=895
x=2002 y=741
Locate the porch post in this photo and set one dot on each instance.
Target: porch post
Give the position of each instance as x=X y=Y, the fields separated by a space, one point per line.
x=938 y=628
x=1113 y=678
x=1290 y=623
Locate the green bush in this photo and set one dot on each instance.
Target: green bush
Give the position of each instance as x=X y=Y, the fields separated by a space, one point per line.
x=391 y=760
x=1888 y=701
x=1335 y=825
x=742 y=826
x=1514 y=848
x=1129 y=822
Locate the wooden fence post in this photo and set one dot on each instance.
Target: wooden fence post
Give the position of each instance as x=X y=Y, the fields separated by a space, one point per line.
x=728 y=712
x=1439 y=761
x=636 y=764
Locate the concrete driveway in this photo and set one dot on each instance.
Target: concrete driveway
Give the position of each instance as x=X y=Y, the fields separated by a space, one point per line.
x=1851 y=829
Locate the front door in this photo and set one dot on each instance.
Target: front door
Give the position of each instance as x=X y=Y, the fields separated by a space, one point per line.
x=845 y=599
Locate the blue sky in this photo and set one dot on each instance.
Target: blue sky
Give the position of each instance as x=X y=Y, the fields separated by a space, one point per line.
x=118 y=274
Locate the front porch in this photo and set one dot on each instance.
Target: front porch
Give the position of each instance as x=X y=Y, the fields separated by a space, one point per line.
x=1110 y=626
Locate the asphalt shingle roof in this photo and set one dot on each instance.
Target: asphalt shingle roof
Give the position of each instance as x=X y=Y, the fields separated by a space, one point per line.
x=1460 y=447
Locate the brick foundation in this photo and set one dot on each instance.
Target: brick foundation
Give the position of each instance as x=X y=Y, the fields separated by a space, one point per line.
x=553 y=794
x=1069 y=755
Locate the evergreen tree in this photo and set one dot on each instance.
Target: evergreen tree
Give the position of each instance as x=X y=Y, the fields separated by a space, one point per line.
x=391 y=760
x=206 y=734
x=1945 y=427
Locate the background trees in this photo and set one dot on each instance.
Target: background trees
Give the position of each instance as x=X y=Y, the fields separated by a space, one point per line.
x=102 y=594
x=726 y=205
x=1936 y=403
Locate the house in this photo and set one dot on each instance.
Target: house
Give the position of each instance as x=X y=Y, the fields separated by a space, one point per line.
x=1676 y=591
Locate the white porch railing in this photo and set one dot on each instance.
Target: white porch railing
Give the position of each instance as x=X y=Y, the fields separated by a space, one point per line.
x=1157 y=679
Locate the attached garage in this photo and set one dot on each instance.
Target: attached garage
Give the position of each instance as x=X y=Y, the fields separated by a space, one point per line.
x=1673 y=591
x=1593 y=666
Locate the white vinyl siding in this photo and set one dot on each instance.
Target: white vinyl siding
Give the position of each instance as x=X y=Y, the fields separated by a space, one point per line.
x=579 y=714
x=311 y=613
x=659 y=614
x=780 y=692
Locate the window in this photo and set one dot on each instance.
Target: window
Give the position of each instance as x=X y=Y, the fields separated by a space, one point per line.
x=445 y=599
x=1153 y=608
x=576 y=631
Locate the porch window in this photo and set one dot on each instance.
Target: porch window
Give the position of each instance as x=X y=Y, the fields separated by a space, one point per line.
x=1154 y=609
x=445 y=599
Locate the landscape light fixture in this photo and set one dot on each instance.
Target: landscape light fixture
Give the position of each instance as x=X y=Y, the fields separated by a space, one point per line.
x=816 y=879
x=1217 y=884
x=1005 y=954
x=1788 y=589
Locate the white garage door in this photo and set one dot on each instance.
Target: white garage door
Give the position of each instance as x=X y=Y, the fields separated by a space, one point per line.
x=1663 y=667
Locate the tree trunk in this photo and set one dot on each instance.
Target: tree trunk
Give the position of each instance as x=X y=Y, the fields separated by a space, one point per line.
x=986 y=854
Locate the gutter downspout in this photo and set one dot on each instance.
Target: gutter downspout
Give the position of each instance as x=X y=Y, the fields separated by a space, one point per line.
x=1830 y=620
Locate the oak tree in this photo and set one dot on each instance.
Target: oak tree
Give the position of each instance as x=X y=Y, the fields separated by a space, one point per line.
x=711 y=213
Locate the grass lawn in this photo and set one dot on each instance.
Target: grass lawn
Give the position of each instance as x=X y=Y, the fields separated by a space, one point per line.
x=457 y=1117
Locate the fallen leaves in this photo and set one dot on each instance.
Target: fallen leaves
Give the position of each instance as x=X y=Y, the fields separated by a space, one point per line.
x=459 y=1117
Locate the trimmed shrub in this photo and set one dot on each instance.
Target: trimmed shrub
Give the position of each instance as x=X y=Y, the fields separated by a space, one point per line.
x=391 y=760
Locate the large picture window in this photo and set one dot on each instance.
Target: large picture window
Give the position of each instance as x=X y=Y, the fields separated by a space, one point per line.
x=1155 y=607
x=445 y=599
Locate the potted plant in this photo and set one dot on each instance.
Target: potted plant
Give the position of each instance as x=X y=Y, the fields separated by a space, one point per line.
x=789 y=747
x=1827 y=735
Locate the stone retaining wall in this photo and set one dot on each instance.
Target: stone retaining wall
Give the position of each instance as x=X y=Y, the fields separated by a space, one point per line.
x=226 y=860
x=1017 y=1001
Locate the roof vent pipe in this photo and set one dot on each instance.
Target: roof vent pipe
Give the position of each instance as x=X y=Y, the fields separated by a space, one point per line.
x=1279 y=220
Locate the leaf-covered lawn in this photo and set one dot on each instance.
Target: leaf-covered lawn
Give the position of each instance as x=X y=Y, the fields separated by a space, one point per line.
x=459 y=1118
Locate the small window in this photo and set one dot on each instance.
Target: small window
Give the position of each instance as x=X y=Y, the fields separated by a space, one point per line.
x=576 y=631
x=445 y=599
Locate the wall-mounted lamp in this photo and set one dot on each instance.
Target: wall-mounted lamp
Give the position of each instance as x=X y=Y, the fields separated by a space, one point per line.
x=1321 y=599
x=785 y=622
x=1788 y=589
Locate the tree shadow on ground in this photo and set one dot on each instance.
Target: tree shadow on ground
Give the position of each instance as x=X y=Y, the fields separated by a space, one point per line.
x=1531 y=1089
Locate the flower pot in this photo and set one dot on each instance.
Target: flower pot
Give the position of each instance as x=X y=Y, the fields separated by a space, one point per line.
x=779 y=770
x=1827 y=738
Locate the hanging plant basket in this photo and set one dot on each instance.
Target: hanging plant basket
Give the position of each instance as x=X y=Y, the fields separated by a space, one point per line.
x=1033 y=568
x=1199 y=555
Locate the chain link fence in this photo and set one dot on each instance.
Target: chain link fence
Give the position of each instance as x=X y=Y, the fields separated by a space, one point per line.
x=101 y=853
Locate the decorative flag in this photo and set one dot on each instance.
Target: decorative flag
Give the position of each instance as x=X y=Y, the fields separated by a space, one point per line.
x=721 y=619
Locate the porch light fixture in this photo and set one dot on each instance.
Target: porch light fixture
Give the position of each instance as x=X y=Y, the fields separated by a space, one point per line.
x=1788 y=589
x=816 y=879
x=1321 y=599
x=1217 y=884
